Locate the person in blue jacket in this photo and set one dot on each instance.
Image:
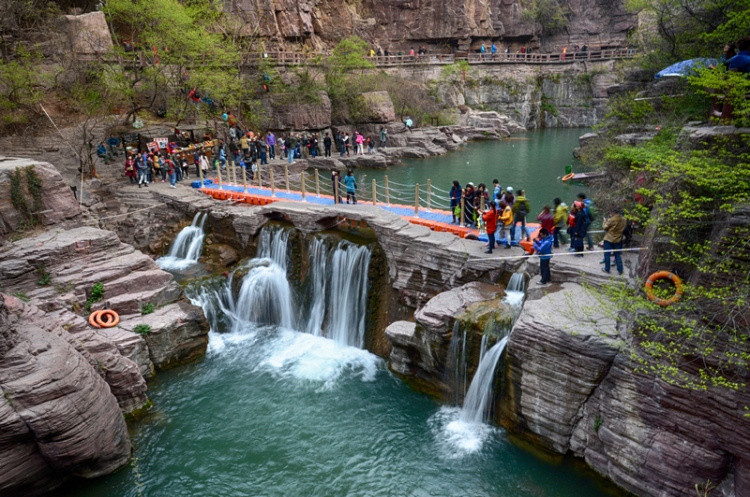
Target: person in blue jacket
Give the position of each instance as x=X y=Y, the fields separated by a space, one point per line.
x=543 y=248
x=351 y=187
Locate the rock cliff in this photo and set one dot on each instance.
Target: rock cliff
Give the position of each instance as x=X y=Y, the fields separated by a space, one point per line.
x=58 y=417
x=445 y=24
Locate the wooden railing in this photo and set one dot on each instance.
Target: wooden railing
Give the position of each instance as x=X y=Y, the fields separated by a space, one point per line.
x=298 y=59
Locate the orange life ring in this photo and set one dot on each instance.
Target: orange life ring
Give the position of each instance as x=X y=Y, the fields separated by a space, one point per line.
x=568 y=177
x=106 y=318
x=660 y=275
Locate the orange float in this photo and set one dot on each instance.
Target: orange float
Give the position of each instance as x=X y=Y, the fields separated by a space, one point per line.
x=105 y=318
x=568 y=177
x=527 y=245
x=661 y=275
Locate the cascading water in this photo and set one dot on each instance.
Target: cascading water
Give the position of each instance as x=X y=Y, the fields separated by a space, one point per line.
x=265 y=297
x=187 y=246
x=348 y=296
x=273 y=245
x=318 y=285
x=457 y=363
x=464 y=430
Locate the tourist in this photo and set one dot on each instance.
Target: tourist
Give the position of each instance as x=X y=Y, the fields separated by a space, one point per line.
x=142 y=171
x=263 y=150
x=543 y=248
x=347 y=143
x=205 y=165
x=521 y=208
x=169 y=167
x=588 y=210
x=409 y=123
x=222 y=154
x=370 y=145
x=577 y=223
x=130 y=169
x=245 y=145
x=340 y=143
x=546 y=219
x=351 y=187
x=383 y=136
x=101 y=152
x=508 y=197
x=490 y=220
x=506 y=219
x=157 y=163
x=455 y=195
x=290 y=144
x=197 y=162
x=271 y=143
x=184 y=166
x=560 y=217
x=496 y=189
x=114 y=145
x=359 y=140
x=493 y=50
x=613 y=227
x=327 y=144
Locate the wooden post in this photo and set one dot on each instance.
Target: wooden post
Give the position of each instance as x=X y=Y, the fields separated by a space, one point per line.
x=303 y=184
x=273 y=187
x=461 y=219
x=218 y=175
x=416 y=200
x=317 y=183
x=374 y=193
x=481 y=203
x=200 y=173
x=429 y=194
x=286 y=177
x=387 y=194
x=260 y=180
x=335 y=192
x=231 y=172
x=244 y=179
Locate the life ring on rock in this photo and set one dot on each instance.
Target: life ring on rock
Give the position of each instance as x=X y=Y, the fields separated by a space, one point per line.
x=568 y=177
x=660 y=275
x=105 y=318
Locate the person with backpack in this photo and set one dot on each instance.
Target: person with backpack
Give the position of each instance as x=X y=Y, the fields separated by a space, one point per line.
x=521 y=209
x=351 y=187
x=589 y=212
x=456 y=193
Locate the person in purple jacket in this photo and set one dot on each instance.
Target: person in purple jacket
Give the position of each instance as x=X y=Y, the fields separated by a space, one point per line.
x=271 y=142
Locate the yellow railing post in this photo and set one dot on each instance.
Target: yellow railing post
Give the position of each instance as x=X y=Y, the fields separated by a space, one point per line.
x=244 y=179
x=429 y=193
x=387 y=194
x=286 y=177
x=200 y=173
x=302 y=175
x=317 y=183
x=374 y=193
x=273 y=187
x=416 y=200
x=461 y=219
x=218 y=175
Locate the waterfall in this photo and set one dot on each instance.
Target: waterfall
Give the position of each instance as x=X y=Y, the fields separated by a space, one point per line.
x=187 y=246
x=265 y=297
x=318 y=285
x=273 y=245
x=457 y=363
x=477 y=404
x=478 y=399
x=348 y=294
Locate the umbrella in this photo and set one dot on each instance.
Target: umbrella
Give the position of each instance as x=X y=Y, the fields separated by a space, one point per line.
x=686 y=67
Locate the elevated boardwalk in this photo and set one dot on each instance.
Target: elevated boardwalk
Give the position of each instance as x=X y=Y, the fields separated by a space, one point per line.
x=435 y=219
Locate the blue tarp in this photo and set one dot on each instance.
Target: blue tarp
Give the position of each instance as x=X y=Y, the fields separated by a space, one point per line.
x=686 y=67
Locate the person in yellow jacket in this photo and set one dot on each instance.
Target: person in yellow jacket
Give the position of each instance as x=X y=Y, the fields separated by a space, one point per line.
x=561 y=217
x=506 y=219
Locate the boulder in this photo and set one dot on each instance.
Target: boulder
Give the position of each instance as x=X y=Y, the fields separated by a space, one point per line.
x=58 y=416
x=379 y=107
x=88 y=34
x=288 y=114
x=57 y=201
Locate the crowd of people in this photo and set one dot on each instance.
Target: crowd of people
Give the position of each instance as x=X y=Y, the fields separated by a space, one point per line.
x=502 y=210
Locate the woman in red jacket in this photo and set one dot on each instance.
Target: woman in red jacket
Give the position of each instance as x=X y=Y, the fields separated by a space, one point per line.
x=490 y=220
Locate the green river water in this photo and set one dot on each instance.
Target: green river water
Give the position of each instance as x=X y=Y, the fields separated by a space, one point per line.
x=276 y=412
x=533 y=161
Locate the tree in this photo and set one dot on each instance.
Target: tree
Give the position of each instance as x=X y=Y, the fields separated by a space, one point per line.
x=550 y=15
x=341 y=69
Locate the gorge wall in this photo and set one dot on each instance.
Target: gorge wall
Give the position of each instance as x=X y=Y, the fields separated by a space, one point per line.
x=442 y=24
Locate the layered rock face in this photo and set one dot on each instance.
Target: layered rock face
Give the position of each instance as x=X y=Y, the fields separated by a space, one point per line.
x=445 y=24
x=57 y=415
x=574 y=385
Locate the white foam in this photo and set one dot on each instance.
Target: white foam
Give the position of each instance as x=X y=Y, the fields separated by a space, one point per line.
x=310 y=358
x=455 y=437
x=169 y=263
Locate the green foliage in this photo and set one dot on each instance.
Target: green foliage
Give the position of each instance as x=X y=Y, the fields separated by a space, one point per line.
x=598 y=424
x=550 y=15
x=43 y=276
x=21 y=88
x=34 y=186
x=22 y=296
x=725 y=86
x=459 y=68
x=142 y=329
x=147 y=308
x=97 y=293
x=626 y=109
x=17 y=197
x=343 y=71
x=548 y=106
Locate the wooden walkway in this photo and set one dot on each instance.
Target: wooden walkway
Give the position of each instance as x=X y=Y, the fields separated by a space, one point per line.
x=435 y=219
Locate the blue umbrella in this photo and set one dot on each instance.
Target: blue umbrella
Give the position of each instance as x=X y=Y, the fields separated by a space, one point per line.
x=686 y=67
